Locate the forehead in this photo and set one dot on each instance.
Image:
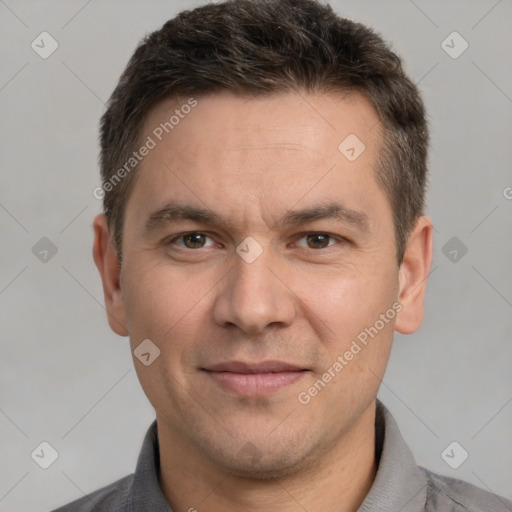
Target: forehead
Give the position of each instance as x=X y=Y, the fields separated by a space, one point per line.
x=311 y=123
x=239 y=154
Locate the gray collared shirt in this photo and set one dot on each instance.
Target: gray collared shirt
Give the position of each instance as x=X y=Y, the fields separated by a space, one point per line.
x=400 y=484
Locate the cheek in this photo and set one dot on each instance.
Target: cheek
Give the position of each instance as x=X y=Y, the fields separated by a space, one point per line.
x=166 y=308
x=358 y=340
x=161 y=302
x=347 y=300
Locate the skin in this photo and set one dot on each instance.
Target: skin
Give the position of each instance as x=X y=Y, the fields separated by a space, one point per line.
x=300 y=301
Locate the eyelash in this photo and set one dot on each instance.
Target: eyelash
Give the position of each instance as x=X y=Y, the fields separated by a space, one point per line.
x=339 y=239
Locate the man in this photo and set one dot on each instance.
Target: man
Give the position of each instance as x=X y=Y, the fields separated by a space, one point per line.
x=264 y=171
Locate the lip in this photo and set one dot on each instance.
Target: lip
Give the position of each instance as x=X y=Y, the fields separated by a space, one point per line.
x=254 y=379
x=249 y=368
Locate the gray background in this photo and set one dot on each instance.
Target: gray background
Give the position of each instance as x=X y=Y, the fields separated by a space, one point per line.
x=68 y=380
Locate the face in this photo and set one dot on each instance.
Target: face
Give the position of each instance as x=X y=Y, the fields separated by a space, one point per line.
x=256 y=256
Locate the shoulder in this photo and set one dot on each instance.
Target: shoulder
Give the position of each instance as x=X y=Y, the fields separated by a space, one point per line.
x=109 y=498
x=451 y=494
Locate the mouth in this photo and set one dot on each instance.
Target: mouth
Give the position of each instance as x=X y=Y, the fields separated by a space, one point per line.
x=254 y=379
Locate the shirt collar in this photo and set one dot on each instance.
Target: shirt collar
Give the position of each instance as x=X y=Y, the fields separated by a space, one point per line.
x=400 y=485
x=145 y=493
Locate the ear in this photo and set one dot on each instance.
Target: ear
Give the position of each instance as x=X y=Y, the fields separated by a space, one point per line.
x=412 y=276
x=108 y=264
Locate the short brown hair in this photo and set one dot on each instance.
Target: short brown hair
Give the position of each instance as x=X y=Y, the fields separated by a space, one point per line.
x=260 y=47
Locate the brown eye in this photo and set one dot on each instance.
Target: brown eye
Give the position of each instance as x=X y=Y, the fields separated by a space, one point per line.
x=192 y=240
x=318 y=240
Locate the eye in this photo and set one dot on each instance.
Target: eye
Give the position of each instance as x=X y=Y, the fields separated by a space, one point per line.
x=198 y=240
x=192 y=240
x=317 y=240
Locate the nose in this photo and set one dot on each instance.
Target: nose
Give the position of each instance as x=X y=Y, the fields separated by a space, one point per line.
x=255 y=295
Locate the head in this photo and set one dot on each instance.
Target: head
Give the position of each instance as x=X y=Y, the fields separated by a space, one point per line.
x=273 y=212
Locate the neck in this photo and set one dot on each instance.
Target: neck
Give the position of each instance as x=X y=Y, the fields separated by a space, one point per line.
x=337 y=481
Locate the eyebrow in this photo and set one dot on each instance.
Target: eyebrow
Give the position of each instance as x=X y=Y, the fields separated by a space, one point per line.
x=174 y=212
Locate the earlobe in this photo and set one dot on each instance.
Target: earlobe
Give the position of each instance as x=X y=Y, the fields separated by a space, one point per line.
x=109 y=267
x=412 y=276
